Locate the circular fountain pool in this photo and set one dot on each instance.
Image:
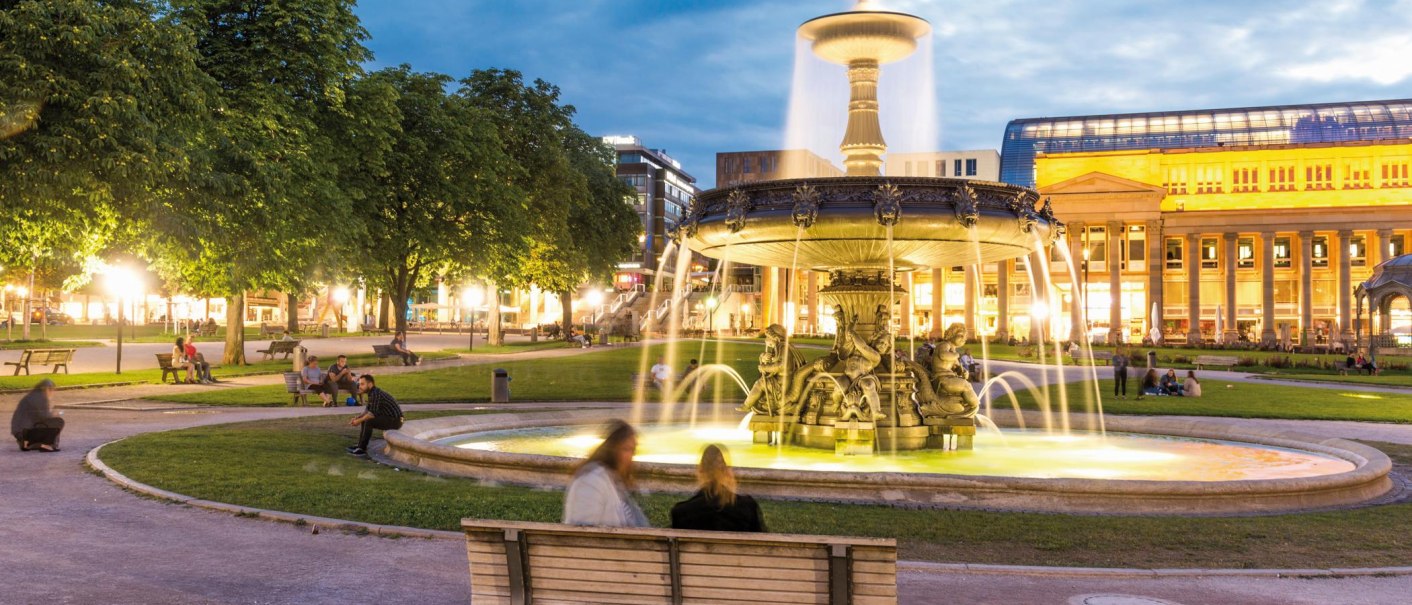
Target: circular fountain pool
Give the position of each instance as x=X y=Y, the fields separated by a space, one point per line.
x=1143 y=466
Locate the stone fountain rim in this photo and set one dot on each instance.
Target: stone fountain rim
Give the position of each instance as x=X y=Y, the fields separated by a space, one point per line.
x=414 y=445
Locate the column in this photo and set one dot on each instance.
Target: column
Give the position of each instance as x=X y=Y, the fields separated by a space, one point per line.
x=1077 y=331
x=769 y=280
x=972 y=292
x=1267 y=288
x=1382 y=241
x=1345 y=285
x=905 y=323
x=1231 y=332
x=1116 y=329
x=1193 y=293
x=1306 y=288
x=1156 y=262
x=1002 y=300
x=812 y=283
x=938 y=299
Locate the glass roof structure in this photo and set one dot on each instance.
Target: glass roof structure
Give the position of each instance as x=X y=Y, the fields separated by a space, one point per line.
x=1276 y=125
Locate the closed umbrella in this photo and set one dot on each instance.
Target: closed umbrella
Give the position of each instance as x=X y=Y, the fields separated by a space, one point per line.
x=1220 y=338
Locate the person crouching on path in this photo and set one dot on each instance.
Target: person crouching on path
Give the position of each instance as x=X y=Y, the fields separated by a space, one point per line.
x=599 y=492
x=382 y=413
x=34 y=424
x=716 y=506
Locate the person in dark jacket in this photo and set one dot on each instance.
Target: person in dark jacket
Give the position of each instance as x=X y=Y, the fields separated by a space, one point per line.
x=716 y=506
x=34 y=425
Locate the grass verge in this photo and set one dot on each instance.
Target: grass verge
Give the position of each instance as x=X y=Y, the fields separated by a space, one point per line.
x=298 y=465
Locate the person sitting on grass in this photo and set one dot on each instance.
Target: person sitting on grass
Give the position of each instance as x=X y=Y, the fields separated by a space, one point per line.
x=1192 y=387
x=399 y=346
x=381 y=413
x=34 y=424
x=661 y=375
x=716 y=506
x=179 y=359
x=1150 y=385
x=1170 y=384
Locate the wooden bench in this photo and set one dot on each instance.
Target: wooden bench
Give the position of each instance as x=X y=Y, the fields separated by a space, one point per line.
x=279 y=346
x=517 y=563
x=45 y=357
x=1215 y=360
x=270 y=331
x=371 y=329
x=207 y=329
x=296 y=388
x=385 y=352
x=164 y=360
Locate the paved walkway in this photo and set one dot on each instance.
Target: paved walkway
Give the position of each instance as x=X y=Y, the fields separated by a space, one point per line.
x=68 y=536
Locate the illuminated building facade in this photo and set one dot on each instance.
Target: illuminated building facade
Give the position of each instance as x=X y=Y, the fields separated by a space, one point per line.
x=739 y=167
x=664 y=191
x=978 y=164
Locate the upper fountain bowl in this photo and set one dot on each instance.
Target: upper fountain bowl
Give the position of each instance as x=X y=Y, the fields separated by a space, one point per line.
x=843 y=222
x=864 y=34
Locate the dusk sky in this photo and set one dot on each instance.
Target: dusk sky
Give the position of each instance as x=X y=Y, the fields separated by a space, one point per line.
x=697 y=77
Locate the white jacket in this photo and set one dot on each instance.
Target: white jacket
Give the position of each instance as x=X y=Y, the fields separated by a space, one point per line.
x=596 y=497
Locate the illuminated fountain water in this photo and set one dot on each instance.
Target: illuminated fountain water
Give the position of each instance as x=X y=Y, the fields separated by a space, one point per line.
x=858 y=422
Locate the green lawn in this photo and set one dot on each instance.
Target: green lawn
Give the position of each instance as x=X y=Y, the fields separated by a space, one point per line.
x=154 y=375
x=597 y=375
x=47 y=344
x=1385 y=379
x=512 y=347
x=298 y=465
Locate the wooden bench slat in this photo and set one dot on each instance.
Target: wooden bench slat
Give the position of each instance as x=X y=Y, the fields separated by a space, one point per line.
x=648 y=543
x=591 y=586
x=487 y=599
x=873 y=578
x=554 y=596
x=762 y=585
x=755 y=561
x=578 y=553
x=485 y=558
x=875 y=567
x=493 y=580
x=761 y=573
x=759 y=596
x=869 y=554
x=596 y=564
x=761 y=550
x=875 y=590
x=662 y=576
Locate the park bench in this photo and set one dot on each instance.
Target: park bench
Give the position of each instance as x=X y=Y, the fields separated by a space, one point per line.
x=1105 y=356
x=279 y=346
x=517 y=563
x=385 y=352
x=370 y=329
x=1215 y=360
x=296 y=387
x=267 y=331
x=45 y=357
x=207 y=329
x=164 y=360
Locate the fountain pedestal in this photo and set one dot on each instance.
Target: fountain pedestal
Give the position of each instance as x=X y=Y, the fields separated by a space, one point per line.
x=854 y=437
x=770 y=429
x=950 y=433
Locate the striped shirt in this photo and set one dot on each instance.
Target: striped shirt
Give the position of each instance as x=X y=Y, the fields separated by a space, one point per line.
x=382 y=405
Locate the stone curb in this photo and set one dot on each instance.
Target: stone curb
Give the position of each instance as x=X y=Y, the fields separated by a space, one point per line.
x=94 y=462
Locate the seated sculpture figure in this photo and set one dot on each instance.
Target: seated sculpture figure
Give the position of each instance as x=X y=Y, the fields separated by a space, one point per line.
x=942 y=388
x=777 y=365
x=860 y=395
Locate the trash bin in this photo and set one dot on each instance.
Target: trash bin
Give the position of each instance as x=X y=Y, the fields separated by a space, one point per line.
x=500 y=386
x=323 y=330
x=1151 y=360
x=299 y=354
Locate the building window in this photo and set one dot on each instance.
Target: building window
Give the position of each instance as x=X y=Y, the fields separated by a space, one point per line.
x=1282 y=253
x=941 y=167
x=1245 y=180
x=1210 y=179
x=970 y=168
x=1320 y=252
x=957 y=166
x=1394 y=174
x=1282 y=178
x=1174 y=181
x=1174 y=253
x=1136 y=248
x=1357 y=174
x=1097 y=244
x=1318 y=176
x=1358 y=251
x=1245 y=253
x=1209 y=257
x=1395 y=246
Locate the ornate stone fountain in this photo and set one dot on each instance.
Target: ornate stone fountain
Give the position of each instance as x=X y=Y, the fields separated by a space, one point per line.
x=862 y=229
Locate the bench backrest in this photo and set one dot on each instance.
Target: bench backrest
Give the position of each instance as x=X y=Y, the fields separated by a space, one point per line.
x=523 y=562
x=292 y=384
x=1102 y=354
x=283 y=346
x=383 y=350
x=48 y=356
x=164 y=360
x=1216 y=359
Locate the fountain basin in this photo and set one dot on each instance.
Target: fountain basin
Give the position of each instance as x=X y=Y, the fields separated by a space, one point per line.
x=1352 y=474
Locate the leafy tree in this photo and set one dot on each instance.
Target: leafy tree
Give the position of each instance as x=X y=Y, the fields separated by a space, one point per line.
x=268 y=201
x=429 y=180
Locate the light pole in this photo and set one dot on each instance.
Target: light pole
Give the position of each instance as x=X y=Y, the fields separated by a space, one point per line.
x=472 y=297
x=121 y=283
x=711 y=305
x=1087 y=338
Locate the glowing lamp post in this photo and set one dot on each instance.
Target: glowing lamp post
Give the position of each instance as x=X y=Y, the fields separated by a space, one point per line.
x=1039 y=313
x=122 y=284
x=1085 y=295
x=472 y=297
x=711 y=305
x=341 y=296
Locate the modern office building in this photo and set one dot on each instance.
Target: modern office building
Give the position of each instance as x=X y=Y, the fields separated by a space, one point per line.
x=1243 y=127
x=664 y=191
x=979 y=164
x=737 y=167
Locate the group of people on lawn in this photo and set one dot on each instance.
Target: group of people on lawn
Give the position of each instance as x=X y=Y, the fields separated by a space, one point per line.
x=1153 y=384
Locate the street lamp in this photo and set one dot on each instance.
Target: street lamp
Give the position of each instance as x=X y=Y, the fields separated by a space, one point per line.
x=340 y=296
x=121 y=284
x=1085 y=295
x=744 y=313
x=711 y=305
x=472 y=297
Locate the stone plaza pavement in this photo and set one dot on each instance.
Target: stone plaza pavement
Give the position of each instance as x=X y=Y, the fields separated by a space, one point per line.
x=70 y=536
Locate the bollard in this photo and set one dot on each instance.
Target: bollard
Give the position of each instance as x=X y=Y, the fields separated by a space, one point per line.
x=323 y=330
x=1151 y=360
x=534 y=334
x=500 y=386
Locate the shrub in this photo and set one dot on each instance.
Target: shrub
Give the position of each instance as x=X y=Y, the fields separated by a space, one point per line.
x=1246 y=361
x=1181 y=359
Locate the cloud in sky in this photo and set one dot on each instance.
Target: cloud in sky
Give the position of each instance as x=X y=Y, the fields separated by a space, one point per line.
x=699 y=77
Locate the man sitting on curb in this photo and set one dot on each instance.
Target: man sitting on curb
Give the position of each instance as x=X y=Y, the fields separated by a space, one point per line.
x=382 y=413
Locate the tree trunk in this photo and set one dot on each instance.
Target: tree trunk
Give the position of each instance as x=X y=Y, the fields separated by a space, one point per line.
x=291 y=315
x=383 y=303
x=399 y=306
x=235 y=331
x=493 y=334
x=568 y=320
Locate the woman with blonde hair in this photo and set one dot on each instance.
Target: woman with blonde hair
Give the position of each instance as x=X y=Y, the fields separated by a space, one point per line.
x=716 y=505
x=599 y=492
